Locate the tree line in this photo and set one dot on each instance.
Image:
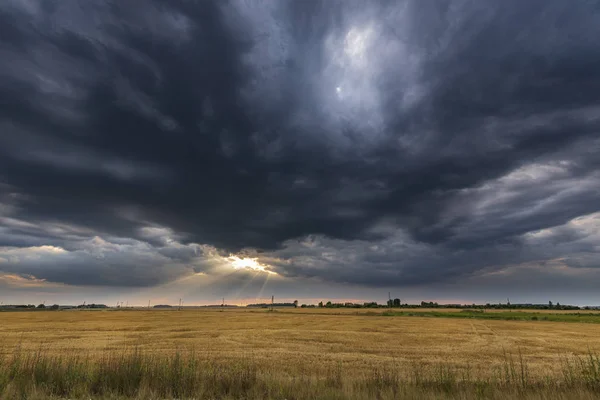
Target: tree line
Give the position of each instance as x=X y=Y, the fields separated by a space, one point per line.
x=396 y=303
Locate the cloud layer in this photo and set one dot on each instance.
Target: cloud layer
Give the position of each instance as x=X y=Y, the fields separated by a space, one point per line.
x=394 y=143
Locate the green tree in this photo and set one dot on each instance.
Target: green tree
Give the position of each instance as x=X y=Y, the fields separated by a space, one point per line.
x=321 y=304
x=396 y=303
x=296 y=303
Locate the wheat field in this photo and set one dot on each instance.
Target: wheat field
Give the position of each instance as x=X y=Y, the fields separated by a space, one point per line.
x=313 y=344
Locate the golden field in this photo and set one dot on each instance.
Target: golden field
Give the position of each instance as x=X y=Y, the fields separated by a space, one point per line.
x=308 y=342
x=319 y=338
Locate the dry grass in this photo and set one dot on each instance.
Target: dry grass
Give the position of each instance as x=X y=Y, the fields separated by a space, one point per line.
x=334 y=355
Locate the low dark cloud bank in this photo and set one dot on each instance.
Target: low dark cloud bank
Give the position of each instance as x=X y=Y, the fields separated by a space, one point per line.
x=391 y=142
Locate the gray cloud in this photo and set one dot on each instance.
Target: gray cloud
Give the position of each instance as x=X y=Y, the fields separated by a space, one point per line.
x=103 y=263
x=416 y=142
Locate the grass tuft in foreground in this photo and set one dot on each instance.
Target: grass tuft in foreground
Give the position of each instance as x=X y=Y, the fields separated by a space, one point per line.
x=134 y=374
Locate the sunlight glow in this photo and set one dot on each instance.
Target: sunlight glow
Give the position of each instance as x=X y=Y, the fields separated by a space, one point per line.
x=247 y=263
x=356 y=44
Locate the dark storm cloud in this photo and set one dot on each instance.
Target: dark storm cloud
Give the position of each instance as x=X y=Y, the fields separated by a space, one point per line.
x=459 y=126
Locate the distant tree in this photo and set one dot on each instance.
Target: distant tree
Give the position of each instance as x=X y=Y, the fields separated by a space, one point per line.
x=396 y=303
x=296 y=303
x=303 y=306
x=328 y=304
x=390 y=303
x=550 y=304
x=41 y=306
x=54 y=307
x=321 y=304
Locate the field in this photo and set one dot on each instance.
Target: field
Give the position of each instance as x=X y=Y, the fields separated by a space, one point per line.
x=303 y=353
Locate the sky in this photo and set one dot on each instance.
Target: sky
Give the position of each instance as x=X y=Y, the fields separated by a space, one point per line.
x=313 y=150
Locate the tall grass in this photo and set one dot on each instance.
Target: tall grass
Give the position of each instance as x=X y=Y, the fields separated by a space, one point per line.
x=137 y=374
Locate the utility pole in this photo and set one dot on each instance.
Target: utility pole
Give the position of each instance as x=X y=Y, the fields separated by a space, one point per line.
x=389 y=300
x=148 y=304
x=179 y=308
x=272 y=302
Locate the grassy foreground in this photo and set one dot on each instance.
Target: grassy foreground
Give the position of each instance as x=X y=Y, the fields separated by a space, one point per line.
x=135 y=374
x=293 y=354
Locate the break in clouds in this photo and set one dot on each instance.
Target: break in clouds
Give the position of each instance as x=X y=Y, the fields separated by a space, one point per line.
x=370 y=143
